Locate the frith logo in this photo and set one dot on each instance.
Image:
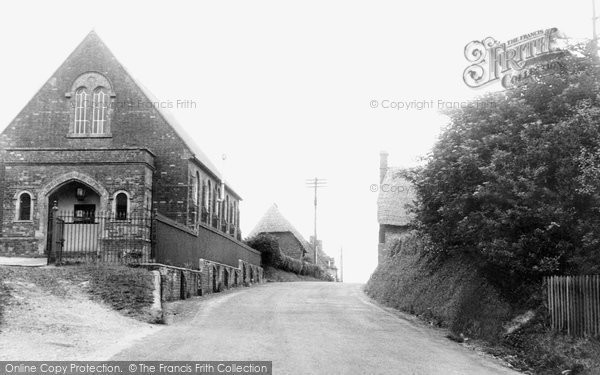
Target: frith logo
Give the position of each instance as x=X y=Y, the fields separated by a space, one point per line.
x=494 y=61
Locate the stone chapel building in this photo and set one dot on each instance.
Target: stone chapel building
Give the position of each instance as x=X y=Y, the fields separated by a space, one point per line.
x=90 y=141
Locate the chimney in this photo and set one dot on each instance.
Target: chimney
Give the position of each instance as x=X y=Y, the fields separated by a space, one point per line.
x=383 y=165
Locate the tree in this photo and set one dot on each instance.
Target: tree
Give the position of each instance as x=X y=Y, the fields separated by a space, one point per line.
x=514 y=180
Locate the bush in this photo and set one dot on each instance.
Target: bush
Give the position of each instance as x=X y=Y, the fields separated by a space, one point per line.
x=271 y=255
x=268 y=247
x=513 y=184
x=126 y=289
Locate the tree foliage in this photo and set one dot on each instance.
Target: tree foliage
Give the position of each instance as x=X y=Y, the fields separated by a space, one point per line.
x=271 y=255
x=514 y=179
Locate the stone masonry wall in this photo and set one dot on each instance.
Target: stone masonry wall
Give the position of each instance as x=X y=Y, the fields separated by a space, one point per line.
x=182 y=283
x=27 y=238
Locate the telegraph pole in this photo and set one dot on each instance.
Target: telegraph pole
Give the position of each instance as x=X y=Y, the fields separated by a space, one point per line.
x=341 y=264
x=594 y=32
x=316 y=183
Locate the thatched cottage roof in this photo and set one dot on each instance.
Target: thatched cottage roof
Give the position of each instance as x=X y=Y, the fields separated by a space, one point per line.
x=274 y=222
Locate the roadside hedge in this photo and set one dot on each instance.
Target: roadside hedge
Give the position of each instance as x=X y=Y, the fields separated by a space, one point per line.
x=271 y=255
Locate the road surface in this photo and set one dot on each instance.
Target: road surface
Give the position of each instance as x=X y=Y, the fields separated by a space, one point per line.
x=309 y=328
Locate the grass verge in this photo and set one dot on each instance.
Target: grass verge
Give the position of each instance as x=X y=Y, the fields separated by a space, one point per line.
x=127 y=290
x=276 y=275
x=4 y=298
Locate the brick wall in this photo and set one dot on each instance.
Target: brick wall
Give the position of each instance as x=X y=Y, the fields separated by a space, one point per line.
x=289 y=245
x=181 y=246
x=39 y=172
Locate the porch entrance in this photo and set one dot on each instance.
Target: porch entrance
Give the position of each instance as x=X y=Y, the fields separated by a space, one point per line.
x=73 y=228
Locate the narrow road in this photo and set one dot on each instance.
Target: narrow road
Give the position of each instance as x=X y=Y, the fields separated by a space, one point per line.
x=309 y=328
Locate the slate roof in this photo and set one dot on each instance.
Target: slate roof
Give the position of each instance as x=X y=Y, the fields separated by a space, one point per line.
x=274 y=222
x=395 y=193
x=181 y=132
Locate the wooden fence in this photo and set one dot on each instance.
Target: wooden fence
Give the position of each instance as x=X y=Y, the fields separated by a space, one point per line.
x=574 y=304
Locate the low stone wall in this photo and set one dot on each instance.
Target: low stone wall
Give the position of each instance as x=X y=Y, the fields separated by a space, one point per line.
x=177 y=283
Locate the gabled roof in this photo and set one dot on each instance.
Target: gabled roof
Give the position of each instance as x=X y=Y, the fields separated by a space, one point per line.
x=274 y=222
x=395 y=193
x=93 y=42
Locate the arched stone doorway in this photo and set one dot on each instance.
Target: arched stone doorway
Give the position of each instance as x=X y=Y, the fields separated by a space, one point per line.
x=75 y=204
x=91 y=198
x=75 y=199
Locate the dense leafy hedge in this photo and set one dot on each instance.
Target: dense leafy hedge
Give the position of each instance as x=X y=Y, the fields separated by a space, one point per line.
x=271 y=255
x=513 y=180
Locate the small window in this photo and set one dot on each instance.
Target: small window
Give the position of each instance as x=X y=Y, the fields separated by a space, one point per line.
x=204 y=197
x=209 y=197
x=84 y=213
x=81 y=109
x=381 y=235
x=227 y=210
x=233 y=213
x=195 y=184
x=121 y=206
x=215 y=201
x=100 y=101
x=25 y=206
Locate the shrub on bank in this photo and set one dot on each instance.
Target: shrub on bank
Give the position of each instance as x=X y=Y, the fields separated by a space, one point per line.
x=271 y=255
x=451 y=293
x=125 y=289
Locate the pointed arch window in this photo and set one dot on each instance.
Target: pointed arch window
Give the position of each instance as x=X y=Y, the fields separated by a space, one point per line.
x=100 y=110
x=227 y=210
x=209 y=196
x=81 y=110
x=204 y=197
x=195 y=188
x=233 y=213
x=215 y=202
x=91 y=96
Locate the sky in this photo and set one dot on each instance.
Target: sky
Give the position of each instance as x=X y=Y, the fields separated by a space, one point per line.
x=284 y=91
